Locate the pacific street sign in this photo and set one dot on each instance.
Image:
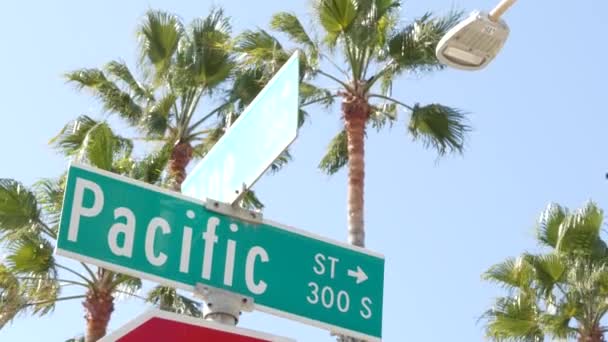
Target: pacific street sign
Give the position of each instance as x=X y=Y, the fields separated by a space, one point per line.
x=144 y=231
x=265 y=129
x=157 y=325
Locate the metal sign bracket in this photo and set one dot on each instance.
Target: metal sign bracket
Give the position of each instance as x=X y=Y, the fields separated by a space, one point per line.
x=234 y=211
x=223 y=306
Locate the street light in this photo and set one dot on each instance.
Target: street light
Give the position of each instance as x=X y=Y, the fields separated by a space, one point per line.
x=473 y=43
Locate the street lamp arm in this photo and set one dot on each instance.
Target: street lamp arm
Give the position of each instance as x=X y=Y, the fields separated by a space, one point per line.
x=500 y=9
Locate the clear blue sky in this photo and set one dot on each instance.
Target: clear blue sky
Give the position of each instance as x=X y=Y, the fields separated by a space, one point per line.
x=540 y=123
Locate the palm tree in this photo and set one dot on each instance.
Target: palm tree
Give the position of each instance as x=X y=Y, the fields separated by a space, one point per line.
x=150 y=170
x=375 y=50
x=30 y=278
x=180 y=67
x=562 y=293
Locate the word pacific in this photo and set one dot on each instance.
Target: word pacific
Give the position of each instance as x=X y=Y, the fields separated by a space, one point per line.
x=158 y=237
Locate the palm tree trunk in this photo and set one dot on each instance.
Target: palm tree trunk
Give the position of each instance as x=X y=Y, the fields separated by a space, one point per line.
x=180 y=158
x=595 y=334
x=98 y=305
x=356 y=112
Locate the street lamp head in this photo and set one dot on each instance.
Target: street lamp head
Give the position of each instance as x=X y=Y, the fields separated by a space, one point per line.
x=473 y=43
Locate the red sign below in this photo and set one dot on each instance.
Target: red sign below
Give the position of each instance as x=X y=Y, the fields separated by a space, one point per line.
x=156 y=325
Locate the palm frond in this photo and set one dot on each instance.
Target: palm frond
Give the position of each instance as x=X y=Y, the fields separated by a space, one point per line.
x=280 y=162
x=11 y=298
x=580 y=231
x=49 y=194
x=218 y=21
x=335 y=16
x=384 y=17
x=150 y=168
x=126 y=285
x=302 y=117
x=209 y=40
x=30 y=259
x=375 y=20
x=41 y=293
x=246 y=86
x=168 y=299
x=120 y=70
x=31 y=255
x=209 y=141
x=98 y=146
x=18 y=209
x=92 y=141
x=514 y=319
x=158 y=116
x=69 y=139
x=87 y=78
x=549 y=224
x=311 y=94
x=558 y=326
x=549 y=270
x=101 y=145
x=413 y=48
x=511 y=273
x=113 y=99
x=337 y=154
x=159 y=36
x=440 y=127
x=261 y=50
x=386 y=83
x=250 y=201
x=289 y=24
x=383 y=114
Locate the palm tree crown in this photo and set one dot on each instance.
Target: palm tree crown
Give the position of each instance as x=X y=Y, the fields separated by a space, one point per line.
x=32 y=280
x=181 y=66
x=562 y=293
x=375 y=49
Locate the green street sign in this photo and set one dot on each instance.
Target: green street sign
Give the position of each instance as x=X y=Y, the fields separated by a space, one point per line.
x=139 y=229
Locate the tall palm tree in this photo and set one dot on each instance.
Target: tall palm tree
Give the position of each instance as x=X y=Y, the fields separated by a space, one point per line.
x=32 y=280
x=181 y=66
x=563 y=292
x=367 y=36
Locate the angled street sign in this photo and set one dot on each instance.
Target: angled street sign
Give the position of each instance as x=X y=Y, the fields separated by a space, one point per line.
x=138 y=229
x=261 y=133
x=158 y=325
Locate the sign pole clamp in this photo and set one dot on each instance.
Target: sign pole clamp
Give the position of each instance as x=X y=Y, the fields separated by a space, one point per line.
x=222 y=306
x=250 y=216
